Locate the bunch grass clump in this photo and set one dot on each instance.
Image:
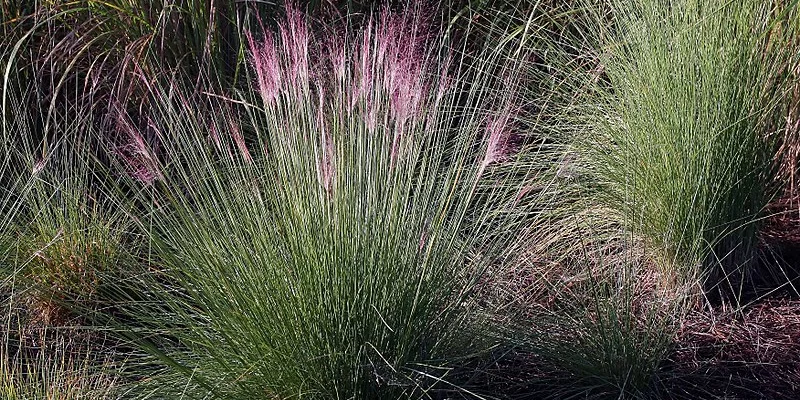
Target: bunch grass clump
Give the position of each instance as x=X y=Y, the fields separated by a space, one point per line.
x=56 y=243
x=73 y=240
x=686 y=140
x=609 y=329
x=65 y=234
x=663 y=125
x=320 y=236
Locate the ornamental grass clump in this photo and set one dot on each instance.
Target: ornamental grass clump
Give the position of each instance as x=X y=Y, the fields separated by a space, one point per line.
x=319 y=236
x=603 y=327
x=65 y=235
x=57 y=246
x=685 y=129
x=70 y=238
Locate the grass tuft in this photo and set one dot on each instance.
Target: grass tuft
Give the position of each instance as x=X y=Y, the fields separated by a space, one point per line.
x=351 y=275
x=686 y=140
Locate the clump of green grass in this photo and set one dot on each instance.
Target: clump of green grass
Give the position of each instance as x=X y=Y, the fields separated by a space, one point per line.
x=597 y=323
x=72 y=239
x=664 y=153
x=57 y=243
x=683 y=140
x=609 y=328
x=63 y=239
x=68 y=237
x=322 y=239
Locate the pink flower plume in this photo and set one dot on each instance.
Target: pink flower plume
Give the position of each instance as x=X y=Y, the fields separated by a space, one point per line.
x=499 y=138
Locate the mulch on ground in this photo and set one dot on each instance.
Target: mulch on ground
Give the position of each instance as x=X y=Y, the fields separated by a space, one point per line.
x=753 y=354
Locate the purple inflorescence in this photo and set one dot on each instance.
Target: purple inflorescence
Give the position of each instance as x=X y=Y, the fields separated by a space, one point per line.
x=379 y=80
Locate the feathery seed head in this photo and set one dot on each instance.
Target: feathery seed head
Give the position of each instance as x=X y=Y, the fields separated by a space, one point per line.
x=267 y=67
x=499 y=139
x=139 y=158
